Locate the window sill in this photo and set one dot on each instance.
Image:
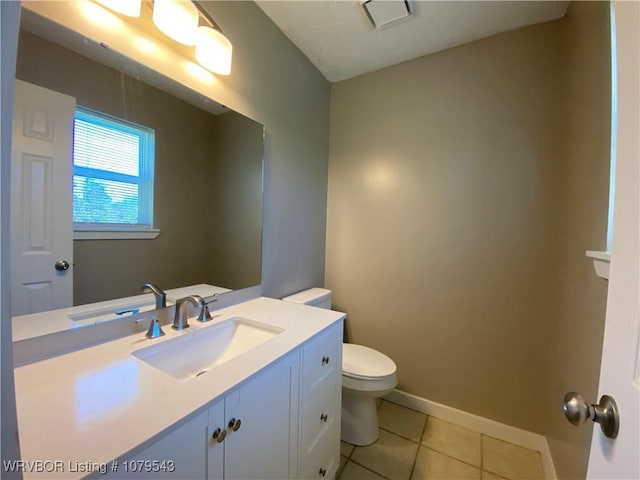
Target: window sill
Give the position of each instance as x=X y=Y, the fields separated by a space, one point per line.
x=115 y=234
x=601 y=262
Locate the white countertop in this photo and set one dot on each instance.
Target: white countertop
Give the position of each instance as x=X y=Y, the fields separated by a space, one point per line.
x=100 y=403
x=44 y=323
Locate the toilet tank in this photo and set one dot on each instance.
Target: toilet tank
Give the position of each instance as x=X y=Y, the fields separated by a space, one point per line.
x=315 y=297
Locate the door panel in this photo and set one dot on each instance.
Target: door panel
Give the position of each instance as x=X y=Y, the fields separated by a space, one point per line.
x=41 y=199
x=620 y=370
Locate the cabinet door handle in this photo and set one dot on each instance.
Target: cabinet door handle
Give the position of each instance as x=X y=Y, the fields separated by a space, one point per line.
x=235 y=424
x=219 y=435
x=324 y=417
x=325 y=360
x=323 y=472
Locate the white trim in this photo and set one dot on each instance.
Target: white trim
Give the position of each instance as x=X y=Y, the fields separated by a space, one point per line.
x=148 y=234
x=486 y=426
x=601 y=261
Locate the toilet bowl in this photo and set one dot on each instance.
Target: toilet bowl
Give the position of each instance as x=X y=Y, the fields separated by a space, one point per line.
x=366 y=375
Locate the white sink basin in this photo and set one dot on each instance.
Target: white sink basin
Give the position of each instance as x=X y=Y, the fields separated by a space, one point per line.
x=197 y=352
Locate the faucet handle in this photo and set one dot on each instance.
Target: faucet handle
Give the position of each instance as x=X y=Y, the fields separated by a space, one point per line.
x=155 y=329
x=205 y=315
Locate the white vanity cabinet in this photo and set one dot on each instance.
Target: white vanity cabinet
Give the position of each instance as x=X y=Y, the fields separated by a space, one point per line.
x=178 y=454
x=251 y=433
x=282 y=423
x=320 y=404
x=253 y=430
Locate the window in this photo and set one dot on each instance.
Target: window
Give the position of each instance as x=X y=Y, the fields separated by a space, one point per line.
x=112 y=177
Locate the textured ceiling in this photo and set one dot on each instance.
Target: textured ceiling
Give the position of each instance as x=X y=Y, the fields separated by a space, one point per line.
x=336 y=36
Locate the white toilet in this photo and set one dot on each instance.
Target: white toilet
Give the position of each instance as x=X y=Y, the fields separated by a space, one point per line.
x=366 y=375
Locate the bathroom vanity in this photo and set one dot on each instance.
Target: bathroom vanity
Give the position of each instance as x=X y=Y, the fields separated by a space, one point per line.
x=267 y=406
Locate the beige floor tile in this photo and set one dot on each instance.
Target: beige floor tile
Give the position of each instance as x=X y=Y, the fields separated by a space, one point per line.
x=401 y=420
x=452 y=440
x=491 y=476
x=346 y=448
x=391 y=456
x=343 y=462
x=353 y=471
x=510 y=461
x=431 y=465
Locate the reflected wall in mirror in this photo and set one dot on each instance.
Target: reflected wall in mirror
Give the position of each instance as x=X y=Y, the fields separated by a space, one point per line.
x=207 y=187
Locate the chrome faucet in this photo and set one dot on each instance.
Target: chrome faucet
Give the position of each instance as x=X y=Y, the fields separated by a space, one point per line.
x=180 y=320
x=161 y=297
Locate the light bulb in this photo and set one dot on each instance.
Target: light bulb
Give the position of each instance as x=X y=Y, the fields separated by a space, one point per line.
x=213 y=50
x=178 y=19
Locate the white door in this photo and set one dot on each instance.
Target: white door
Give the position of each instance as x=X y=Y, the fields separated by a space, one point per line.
x=41 y=200
x=620 y=371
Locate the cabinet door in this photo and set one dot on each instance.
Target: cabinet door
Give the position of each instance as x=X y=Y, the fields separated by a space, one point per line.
x=217 y=433
x=181 y=453
x=261 y=447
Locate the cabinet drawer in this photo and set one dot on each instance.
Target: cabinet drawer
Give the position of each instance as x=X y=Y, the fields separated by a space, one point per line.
x=322 y=459
x=321 y=358
x=319 y=411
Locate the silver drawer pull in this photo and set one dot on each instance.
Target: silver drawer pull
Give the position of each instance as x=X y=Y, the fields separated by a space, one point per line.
x=324 y=417
x=325 y=360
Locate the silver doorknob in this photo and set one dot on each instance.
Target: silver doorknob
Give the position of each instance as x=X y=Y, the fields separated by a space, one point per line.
x=605 y=412
x=61 y=265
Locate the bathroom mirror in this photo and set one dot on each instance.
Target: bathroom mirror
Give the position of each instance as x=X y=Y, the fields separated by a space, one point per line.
x=208 y=171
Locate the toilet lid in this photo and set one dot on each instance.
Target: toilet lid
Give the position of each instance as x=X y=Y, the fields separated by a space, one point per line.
x=365 y=362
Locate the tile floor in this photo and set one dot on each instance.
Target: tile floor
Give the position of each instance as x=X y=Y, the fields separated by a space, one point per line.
x=414 y=446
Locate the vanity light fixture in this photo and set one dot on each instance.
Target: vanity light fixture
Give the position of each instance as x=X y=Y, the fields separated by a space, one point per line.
x=130 y=8
x=177 y=19
x=213 y=50
x=188 y=23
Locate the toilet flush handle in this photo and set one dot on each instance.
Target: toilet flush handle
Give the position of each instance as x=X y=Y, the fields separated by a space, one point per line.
x=325 y=360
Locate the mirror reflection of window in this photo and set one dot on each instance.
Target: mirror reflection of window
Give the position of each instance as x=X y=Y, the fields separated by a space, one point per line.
x=113 y=162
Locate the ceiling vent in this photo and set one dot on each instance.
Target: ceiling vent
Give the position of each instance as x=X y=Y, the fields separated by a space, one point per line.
x=386 y=13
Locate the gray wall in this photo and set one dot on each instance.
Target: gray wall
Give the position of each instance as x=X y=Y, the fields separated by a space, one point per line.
x=235 y=231
x=9 y=448
x=464 y=189
x=195 y=164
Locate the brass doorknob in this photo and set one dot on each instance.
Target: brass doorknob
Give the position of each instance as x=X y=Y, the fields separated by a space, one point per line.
x=605 y=412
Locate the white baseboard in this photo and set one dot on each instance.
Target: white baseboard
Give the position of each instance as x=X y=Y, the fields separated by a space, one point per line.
x=483 y=425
